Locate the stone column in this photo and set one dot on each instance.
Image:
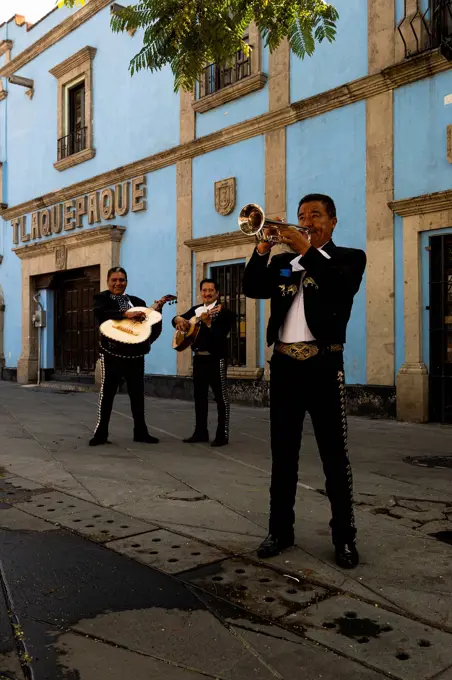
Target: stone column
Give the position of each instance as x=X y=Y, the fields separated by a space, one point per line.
x=27 y=366
x=412 y=379
x=275 y=151
x=184 y=184
x=380 y=329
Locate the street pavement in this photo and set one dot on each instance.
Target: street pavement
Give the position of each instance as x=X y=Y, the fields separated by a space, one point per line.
x=134 y=560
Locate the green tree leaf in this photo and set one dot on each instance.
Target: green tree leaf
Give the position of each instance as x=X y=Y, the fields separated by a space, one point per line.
x=187 y=35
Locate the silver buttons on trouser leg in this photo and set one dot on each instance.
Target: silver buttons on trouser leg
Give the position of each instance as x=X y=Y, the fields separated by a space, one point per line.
x=225 y=395
x=343 y=406
x=101 y=391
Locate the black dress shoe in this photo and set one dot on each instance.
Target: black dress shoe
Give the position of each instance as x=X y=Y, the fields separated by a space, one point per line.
x=220 y=441
x=145 y=438
x=347 y=555
x=98 y=441
x=196 y=439
x=273 y=545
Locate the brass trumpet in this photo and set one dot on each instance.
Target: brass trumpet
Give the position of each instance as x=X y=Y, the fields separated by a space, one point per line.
x=252 y=222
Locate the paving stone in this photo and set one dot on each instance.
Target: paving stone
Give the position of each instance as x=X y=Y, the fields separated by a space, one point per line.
x=167 y=551
x=407 y=649
x=436 y=527
x=94 y=660
x=421 y=517
x=25 y=484
x=17 y=520
x=306 y=661
x=258 y=589
x=421 y=506
x=228 y=541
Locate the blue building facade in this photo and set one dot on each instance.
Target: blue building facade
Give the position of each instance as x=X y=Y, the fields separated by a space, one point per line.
x=99 y=168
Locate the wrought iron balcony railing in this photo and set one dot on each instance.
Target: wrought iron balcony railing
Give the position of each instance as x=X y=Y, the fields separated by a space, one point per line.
x=427 y=29
x=72 y=143
x=216 y=77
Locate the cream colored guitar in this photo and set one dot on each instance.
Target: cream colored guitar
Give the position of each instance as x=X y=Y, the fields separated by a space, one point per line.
x=129 y=338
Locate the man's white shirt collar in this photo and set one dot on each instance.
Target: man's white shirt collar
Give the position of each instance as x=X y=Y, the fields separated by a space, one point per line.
x=205 y=308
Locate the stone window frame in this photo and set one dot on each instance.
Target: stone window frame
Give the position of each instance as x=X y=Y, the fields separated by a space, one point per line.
x=73 y=70
x=100 y=246
x=5 y=50
x=231 y=246
x=256 y=81
x=431 y=212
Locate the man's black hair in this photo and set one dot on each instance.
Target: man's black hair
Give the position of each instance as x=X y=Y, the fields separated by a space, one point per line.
x=327 y=202
x=208 y=281
x=116 y=270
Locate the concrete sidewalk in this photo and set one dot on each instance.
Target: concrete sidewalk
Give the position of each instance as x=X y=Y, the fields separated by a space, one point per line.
x=198 y=513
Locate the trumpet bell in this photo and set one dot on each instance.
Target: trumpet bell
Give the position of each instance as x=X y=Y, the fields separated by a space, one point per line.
x=251 y=219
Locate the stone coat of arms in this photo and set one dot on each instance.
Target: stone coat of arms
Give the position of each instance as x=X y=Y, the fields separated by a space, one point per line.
x=225 y=196
x=60 y=258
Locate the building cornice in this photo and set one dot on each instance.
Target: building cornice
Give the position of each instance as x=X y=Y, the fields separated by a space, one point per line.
x=408 y=71
x=421 y=205
x=232 y=238
x=53 y=36
x=82 y=56
x=5 y=45
x=83 y=238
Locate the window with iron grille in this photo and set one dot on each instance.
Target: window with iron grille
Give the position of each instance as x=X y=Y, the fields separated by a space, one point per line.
x=427 y=29
x=216 y=77
x=75 y=140
x=228 y=278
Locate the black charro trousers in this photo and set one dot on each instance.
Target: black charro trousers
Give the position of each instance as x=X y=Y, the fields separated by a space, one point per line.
x=114 y=370
x=209 y=370
x=315 y=385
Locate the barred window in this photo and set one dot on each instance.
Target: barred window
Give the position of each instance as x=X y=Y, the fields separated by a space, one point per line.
x=217 y=76
x=229 y=281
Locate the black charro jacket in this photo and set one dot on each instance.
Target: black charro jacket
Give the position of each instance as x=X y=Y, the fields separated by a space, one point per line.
x=212 y=339
x=105 y=307
x=329 y=287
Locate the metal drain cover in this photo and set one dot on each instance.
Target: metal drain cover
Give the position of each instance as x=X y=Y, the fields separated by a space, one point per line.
x=385 y=641
x=103 y=525
x=260 y=590
x=167 y=551
x=54 y=505
x=430 y=461
x=99 y=524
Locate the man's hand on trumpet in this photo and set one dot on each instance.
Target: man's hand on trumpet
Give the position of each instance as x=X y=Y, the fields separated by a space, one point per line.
x=265 y=246
x=295 y=239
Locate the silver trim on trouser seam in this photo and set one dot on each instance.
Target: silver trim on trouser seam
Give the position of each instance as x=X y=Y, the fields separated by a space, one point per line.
x=225 y=395
x=101 y=391
x=343 y=398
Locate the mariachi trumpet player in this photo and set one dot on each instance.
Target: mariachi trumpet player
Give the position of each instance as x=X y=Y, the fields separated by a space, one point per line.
x=311 y=288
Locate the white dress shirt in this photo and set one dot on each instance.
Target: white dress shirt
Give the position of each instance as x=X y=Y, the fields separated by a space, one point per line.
x=295 y=327
x=204 y=308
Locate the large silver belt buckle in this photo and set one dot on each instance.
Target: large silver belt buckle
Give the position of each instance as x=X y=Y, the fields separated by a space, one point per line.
x=300 y=351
